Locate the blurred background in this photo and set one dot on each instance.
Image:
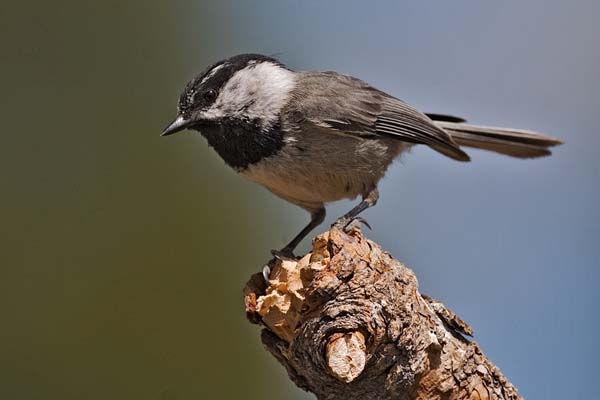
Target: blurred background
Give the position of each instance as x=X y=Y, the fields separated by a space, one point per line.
x=123 y=254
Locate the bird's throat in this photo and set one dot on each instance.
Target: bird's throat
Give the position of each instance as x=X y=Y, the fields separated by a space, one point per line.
x=242 y=143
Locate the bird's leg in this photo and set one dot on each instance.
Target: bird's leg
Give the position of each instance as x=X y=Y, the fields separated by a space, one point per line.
x=369 y=200
x=316 y=218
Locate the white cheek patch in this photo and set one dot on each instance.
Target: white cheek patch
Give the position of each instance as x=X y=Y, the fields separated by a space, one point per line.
x=258 y=92
x=212 y=113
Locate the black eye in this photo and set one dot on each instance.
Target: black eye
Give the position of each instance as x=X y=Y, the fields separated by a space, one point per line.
x=210 y=95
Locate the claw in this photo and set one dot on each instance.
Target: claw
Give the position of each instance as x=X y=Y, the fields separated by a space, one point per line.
x=283 y=254
x=362 y=221
x=347 y=225
x=266 y=272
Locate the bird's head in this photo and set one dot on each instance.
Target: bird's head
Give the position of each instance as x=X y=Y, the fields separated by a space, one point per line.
x=244 y=88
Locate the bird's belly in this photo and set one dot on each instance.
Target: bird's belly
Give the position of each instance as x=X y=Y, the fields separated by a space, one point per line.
x=309 y=173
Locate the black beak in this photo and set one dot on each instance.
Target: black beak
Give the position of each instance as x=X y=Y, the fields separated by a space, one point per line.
x=179 y=124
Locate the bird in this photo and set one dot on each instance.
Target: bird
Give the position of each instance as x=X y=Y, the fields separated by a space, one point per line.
x=313 y=138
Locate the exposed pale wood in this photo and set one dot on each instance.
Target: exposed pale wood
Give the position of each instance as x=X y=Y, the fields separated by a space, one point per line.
x=347 y=322
x=346 y=355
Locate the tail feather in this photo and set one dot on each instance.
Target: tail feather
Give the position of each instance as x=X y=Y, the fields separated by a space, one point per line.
x=511 y=142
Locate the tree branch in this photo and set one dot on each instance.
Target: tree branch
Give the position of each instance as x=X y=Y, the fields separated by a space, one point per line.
x=347 y=322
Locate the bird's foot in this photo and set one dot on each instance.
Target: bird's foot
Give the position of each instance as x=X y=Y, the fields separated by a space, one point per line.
x=347 y=224
x=283 y=254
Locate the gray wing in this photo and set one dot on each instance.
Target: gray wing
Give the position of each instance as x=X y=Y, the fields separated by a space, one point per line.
x=347 y=105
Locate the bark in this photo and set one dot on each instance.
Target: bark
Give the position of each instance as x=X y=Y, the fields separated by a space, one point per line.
x=347 y=322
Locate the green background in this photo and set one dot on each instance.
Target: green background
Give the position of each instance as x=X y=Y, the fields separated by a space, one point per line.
x=124 y=253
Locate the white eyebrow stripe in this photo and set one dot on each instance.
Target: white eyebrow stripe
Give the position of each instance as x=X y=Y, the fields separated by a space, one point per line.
x=212 y=73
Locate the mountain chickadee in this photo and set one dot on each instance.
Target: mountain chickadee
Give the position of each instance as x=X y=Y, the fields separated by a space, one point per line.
x=316 y=137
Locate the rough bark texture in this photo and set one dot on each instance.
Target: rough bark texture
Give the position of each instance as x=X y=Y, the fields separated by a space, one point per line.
x=347 y=322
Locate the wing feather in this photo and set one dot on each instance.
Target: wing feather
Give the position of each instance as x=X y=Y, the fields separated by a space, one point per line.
x=355 y=108
x=406 y=123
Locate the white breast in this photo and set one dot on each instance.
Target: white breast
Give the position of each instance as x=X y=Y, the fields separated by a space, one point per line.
x=320 y=167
